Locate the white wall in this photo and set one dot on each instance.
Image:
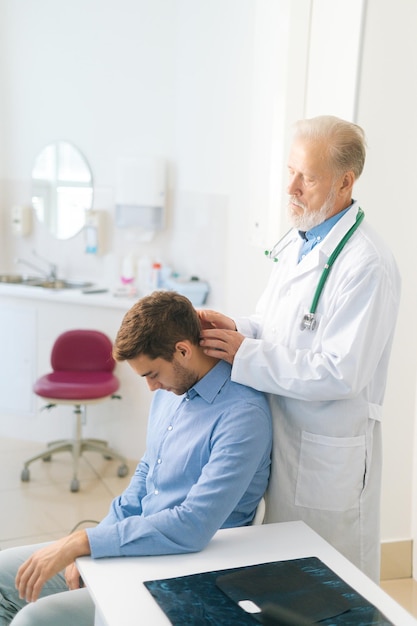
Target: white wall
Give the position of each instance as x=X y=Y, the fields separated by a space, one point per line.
x=186 y=80
x=387 y=110
x=131 y=78
x=63 y=80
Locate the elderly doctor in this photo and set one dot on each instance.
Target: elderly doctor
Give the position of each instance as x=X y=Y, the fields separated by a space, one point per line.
x=324 y=363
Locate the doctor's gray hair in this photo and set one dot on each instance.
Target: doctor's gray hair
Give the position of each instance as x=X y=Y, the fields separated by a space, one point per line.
x=346 y=145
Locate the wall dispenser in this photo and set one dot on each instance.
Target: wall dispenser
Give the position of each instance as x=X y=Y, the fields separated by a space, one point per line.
x=141 y=194
x=93 y=229
x=21 y=220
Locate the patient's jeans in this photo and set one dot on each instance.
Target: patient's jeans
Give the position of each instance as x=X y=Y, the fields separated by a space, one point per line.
x=57 y=605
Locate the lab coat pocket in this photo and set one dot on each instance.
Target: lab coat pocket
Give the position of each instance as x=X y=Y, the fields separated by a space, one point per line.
x=331 y=472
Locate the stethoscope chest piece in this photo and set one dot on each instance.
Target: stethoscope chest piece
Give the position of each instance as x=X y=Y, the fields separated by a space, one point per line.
x=309 y=322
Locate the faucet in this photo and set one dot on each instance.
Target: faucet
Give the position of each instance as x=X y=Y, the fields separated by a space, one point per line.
x=50 y=275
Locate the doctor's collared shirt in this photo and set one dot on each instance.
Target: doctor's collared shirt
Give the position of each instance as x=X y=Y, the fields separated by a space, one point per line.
x=314 y=236
x=206 y=466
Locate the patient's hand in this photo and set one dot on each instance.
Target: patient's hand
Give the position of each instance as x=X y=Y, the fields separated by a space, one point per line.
x=72 y=577
x=49 y=561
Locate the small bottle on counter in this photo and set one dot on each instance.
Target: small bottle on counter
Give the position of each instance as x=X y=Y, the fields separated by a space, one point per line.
x=156 y=276
x=144 y=275
x=127 y=275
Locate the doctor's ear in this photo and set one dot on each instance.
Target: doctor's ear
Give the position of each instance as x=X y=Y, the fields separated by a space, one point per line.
x=347 y=181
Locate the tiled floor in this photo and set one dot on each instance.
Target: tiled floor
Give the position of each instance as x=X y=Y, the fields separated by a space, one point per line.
x=44 y=508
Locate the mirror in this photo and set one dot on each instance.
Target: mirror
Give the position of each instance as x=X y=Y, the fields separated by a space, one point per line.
x=62 y=189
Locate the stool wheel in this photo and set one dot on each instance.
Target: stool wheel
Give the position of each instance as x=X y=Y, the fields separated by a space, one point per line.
x=75 y=485
x=46 y=459
x=122 y=470
x=25 y=475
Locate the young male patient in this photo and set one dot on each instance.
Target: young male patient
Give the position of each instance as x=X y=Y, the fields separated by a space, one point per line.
x=205 y=467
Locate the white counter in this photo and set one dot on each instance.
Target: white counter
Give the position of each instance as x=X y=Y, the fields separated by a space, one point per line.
x=70 y=296
x=109 y=299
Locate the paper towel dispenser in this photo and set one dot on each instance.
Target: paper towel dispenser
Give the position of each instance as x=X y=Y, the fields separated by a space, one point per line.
x=141 y=193
x=146 y=217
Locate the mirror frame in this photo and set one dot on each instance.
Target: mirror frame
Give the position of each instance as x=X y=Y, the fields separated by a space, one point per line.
x=62 y=189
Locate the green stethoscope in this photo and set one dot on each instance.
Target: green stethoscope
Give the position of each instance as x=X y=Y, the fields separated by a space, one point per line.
x=309 y=320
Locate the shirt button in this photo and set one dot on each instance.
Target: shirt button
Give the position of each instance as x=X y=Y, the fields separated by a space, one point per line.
x=159 y=461
x=169 y=427
x=156 y=492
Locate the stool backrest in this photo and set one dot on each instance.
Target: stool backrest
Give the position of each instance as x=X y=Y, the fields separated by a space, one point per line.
x=82 y=350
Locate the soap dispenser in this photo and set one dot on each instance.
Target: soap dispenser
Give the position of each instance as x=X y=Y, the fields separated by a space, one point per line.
x=127 y=275
x=93 y=232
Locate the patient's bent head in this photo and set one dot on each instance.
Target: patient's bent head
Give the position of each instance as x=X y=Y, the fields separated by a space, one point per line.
x=154 y=325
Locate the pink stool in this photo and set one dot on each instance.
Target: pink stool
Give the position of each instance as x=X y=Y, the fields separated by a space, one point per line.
x=82 y=365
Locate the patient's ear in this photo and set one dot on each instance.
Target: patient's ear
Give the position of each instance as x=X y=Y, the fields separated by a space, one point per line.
x=184 y=349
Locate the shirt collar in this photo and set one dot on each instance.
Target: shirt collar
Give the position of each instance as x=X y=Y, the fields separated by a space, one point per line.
x=211 y=384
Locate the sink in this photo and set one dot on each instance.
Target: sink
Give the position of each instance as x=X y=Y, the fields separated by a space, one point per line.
x=45 y=283
x=57 y=283
x=15 y=279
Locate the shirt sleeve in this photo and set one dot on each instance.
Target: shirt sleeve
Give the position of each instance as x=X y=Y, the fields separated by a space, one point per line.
x=130 y=501
x=239 y=451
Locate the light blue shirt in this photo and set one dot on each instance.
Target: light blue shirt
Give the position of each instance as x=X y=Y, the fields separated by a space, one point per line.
x=206 y=466
x=317 y=234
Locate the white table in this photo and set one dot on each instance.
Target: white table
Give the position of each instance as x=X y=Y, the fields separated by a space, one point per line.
x=122 y=600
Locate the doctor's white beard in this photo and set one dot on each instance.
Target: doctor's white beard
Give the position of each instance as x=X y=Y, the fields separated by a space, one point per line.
x=307 y=220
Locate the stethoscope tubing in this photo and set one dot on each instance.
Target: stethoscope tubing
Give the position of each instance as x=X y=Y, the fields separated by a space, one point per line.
x=332 y=258
x=309 y=319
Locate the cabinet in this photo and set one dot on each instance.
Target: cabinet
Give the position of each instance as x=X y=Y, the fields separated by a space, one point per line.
x=18 y=362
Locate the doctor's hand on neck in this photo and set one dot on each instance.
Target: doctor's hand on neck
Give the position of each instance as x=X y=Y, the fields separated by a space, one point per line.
x=213 y=319
x=221 y=343
x=219 y=337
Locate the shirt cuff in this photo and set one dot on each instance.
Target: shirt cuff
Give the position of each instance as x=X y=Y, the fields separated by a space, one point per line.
x=104 y=541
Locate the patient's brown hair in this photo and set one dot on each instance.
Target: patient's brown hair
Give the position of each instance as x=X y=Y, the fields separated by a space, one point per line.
x=154 y=326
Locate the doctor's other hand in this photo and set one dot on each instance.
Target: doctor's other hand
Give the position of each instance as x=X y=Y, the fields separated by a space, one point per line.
x=213 y=319
x=221 y=344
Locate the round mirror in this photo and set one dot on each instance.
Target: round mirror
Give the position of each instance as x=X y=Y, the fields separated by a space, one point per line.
x=62 y=189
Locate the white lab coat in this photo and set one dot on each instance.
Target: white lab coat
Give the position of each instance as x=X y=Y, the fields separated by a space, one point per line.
x=326 y=386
